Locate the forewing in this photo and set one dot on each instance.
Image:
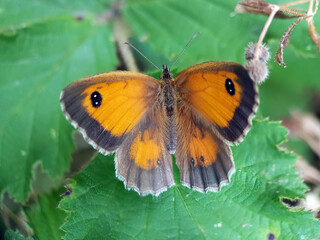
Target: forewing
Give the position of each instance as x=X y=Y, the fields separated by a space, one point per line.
x=106 y=107
x=222 y=93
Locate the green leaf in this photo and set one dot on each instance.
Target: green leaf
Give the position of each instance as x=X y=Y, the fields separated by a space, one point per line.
x=14 y=235
x=291 y=87
x=248 y=208
x=168 y=25
x=35 y=65
x=17 y=14
x=45 y=218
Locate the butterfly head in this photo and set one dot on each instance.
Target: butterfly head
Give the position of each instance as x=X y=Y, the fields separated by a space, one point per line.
x=165 y=73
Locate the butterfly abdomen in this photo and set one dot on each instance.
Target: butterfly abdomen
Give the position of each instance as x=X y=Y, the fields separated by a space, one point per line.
x=169 y=104
x=172 y=134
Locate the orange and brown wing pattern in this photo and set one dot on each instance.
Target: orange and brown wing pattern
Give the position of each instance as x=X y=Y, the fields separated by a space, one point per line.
x=106 y=107
x=143 y=162
x=223 y=93
x=205 y=162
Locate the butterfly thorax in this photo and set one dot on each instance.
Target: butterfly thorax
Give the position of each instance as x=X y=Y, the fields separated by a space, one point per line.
x=168 y=92
x=169 y=104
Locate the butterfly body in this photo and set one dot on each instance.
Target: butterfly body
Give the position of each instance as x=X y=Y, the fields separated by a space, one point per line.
x=196 y=115
x=168 y=99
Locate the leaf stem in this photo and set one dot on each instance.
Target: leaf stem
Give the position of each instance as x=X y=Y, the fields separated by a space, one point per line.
x=274 y=10
x=121 y=35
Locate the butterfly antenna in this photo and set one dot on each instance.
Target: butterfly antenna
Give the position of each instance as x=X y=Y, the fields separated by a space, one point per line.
x=184 y=49
x=137 y=50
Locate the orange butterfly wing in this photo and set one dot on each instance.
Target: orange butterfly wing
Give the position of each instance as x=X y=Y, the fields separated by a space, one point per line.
x=223 y=93
x=119 y=111
x=217 y=102
x=105 y=107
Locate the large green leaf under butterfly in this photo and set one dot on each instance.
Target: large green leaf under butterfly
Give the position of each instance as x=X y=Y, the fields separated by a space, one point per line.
x=248 y=208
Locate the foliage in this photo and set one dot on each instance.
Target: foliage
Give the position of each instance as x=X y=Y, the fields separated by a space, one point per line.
x=45 y=45
x=248 y=208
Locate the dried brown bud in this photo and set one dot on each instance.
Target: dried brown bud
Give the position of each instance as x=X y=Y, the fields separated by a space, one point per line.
x=258 y=70
x=262 y=53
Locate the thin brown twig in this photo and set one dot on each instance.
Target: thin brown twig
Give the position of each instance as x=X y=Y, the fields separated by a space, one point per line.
x=293 y=12
x=293 y=3
x=121 y=35
x=16 y=219
x=308 y=172
x=311 y=28
x=274 y=10
x=306 y=127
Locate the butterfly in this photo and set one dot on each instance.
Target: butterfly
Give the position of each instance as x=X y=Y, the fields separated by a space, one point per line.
x=195 y=116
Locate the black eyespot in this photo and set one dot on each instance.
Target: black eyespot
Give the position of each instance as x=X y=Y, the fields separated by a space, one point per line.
x=230 y=86
x=96 y=99
x=192 y=161
x=202 y=158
